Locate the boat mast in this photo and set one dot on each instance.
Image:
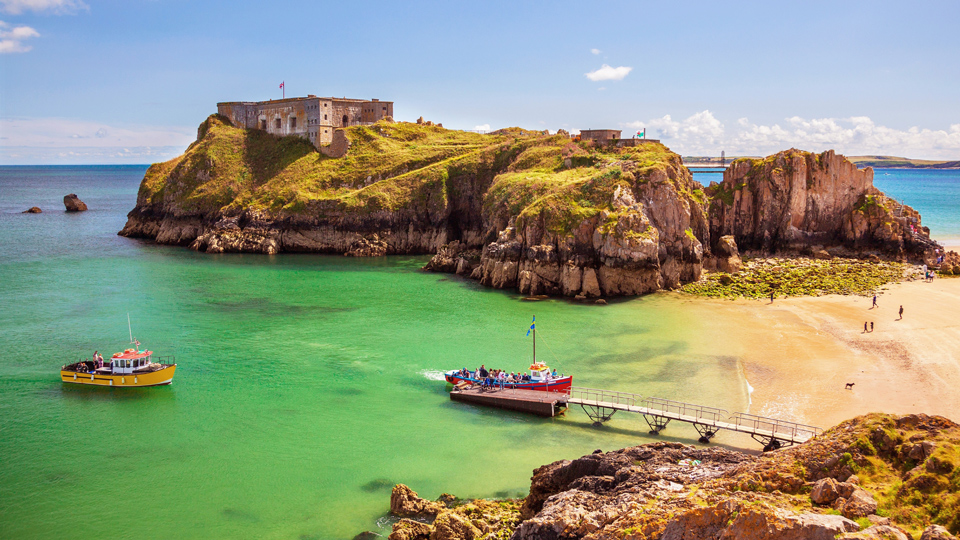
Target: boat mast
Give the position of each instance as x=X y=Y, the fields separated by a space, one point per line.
x=534 y=328
x=129 y=328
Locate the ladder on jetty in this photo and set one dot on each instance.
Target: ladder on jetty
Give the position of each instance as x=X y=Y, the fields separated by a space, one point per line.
x=600 y=406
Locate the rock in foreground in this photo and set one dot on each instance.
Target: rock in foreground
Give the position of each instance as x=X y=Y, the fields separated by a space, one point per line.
x=32 y=210
x=73 y=203
x=663 y=491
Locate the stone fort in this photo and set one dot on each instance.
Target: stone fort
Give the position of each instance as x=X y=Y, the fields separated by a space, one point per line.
x=313 y=118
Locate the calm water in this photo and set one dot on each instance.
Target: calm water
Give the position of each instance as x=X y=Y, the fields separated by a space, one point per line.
x=307 y=385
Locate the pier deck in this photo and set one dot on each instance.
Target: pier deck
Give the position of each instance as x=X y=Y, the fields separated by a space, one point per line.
x=528 y=401
x=600 y=406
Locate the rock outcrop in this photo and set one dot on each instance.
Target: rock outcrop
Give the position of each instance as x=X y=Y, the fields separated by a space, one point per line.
x=73 y=203
x=671 y=491
x=796 y=201
x=32 y=210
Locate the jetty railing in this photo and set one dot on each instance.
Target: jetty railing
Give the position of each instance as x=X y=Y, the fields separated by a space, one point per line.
x=700 y=413
x=600 y=397
x=771 y=429
x=600 y=406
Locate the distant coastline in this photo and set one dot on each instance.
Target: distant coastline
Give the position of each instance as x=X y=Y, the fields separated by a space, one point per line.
x=877 y=162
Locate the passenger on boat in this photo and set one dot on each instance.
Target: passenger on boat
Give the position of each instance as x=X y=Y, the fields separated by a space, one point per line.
x=482 y=371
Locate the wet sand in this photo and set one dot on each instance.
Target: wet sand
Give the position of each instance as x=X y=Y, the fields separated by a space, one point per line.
x=799 y=353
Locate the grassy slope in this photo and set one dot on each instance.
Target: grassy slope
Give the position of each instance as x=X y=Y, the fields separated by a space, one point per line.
x=393 y=166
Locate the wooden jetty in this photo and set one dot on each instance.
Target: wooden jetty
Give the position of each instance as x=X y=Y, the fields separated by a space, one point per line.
x=528 y=401
x=601 y=405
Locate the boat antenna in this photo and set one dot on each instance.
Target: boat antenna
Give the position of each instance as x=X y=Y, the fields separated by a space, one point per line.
x=129 y=328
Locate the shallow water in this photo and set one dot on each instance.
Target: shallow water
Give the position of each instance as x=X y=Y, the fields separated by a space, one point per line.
x=306 y=387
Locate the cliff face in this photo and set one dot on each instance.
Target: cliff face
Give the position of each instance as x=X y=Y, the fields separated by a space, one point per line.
x=514 y=209
x=622 y=231
x=798 y=201
x=877 y=476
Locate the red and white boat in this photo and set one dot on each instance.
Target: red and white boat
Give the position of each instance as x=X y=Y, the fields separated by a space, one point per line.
x=540 y=378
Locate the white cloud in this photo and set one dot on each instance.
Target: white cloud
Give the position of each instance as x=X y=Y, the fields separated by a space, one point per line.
x=11 y=41
x=52 y=140
x=59 y=7
x=595 y=51
x=607 y=73
x=482 y=127
x=703 y=134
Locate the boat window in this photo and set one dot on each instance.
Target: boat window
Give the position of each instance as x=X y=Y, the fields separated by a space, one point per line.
x=128 y=363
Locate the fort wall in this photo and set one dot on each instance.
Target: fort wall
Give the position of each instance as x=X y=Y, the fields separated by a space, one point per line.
x=313 y=118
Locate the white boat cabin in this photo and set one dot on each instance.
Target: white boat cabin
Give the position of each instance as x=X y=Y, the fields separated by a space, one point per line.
x=129 y=361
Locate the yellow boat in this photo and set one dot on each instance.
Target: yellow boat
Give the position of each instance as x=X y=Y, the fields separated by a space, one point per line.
x=130 y=368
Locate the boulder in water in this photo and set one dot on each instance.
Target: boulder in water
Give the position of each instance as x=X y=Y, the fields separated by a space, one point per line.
x=32 y=210
x=74 y=204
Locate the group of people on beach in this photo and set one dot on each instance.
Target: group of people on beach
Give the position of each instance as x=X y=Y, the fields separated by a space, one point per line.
x=499 y=377
x=869 y=324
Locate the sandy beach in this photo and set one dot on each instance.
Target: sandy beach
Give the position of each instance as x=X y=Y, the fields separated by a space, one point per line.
x=799 y=353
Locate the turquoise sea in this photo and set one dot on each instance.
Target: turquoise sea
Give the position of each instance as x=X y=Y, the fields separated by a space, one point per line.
x=307 y=385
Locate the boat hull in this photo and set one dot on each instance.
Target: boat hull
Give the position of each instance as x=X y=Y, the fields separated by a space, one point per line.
x=129 y=380
x=560 y=384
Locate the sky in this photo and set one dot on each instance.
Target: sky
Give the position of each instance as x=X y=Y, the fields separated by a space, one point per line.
x=88 y=81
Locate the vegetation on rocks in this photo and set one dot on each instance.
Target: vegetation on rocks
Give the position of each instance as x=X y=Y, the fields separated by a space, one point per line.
x=875 y=476
x=391 y=166
x=760 y=278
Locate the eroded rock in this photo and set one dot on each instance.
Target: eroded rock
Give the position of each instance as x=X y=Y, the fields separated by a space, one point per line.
x=404 y=502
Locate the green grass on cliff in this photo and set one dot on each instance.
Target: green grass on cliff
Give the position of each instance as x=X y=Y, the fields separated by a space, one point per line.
x=402 y=166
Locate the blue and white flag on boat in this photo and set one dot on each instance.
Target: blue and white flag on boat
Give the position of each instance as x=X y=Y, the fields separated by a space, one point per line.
x=532 y=325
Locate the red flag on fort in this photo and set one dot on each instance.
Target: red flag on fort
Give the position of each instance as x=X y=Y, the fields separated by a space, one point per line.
x=284 y=88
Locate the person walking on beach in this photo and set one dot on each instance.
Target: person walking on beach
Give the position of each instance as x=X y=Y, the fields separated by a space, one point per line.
x=771 y=298
x=901 y=312
x=864 y=327
x=874 y=302
x=871 y=327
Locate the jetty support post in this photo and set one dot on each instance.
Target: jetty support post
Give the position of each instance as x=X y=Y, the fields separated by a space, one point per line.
x=706 y=432
x=656 y=423
x=598 y=414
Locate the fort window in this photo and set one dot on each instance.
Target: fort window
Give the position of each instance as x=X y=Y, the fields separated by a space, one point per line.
x=345 y=120
x=263 y=125
x=279 y=123
x=324 y=117
x=293 y=122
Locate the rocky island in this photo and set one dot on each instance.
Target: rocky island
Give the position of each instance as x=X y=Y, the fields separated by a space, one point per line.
x=873 y=477
x=515 y=209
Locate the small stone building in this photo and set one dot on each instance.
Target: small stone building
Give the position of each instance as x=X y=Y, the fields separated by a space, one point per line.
x=599 y=135
x=313 y=118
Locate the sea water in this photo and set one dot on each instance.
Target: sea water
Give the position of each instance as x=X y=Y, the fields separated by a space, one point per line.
x=306 y=387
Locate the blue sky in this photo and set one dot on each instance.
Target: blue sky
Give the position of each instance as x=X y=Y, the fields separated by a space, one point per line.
x=129 y=81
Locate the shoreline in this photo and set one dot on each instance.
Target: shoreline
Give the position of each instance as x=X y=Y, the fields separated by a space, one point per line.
x=798 y=353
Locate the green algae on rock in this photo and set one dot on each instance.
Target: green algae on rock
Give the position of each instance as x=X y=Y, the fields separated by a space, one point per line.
x=759 y=278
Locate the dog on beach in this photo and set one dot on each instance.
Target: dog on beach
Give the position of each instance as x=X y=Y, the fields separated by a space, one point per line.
x=849 y=386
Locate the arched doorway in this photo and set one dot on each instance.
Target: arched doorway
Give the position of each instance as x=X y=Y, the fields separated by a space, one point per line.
x=345 y=121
